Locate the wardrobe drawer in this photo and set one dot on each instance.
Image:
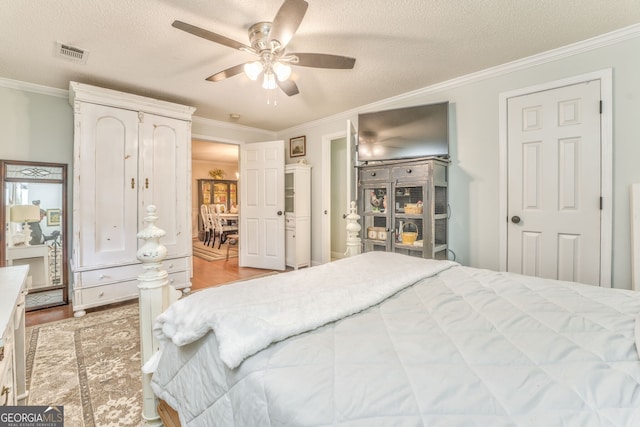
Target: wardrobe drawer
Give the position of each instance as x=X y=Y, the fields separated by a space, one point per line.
x=176 y=264
x=114 y=292
x=109 y=275
x=179 y=279
x=126 y=272
x=107 y=294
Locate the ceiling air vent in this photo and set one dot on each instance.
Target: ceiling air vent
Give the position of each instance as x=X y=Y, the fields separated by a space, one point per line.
x=71 y=53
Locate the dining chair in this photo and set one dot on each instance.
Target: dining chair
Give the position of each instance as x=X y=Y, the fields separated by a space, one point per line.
x=206 y=223
x=232 y=239
x=222 y=229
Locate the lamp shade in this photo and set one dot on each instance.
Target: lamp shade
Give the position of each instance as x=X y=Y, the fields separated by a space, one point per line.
x=25 y=213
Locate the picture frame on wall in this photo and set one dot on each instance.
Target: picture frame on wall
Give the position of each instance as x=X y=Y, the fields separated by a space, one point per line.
x=298 y=146
x=53 y=217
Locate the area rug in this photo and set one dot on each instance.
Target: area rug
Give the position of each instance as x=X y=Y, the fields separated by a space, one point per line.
x=213 y=254
x=90 y=365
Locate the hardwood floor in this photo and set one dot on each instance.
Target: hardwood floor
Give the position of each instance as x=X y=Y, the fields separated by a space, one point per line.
x=205 y=274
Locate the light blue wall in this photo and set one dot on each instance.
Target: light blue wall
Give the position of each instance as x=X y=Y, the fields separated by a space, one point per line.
x=475 y=169
x=35 y=127
x=39 y=127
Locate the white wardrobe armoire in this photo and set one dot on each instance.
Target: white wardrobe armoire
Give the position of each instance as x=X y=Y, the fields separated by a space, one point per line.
x=129 y=152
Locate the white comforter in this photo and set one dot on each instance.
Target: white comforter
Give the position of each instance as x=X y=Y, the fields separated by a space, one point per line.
x=463 y=347
x=250 y=315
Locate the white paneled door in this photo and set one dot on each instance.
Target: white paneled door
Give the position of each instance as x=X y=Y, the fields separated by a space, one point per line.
x=554 y=173
x=262 y=205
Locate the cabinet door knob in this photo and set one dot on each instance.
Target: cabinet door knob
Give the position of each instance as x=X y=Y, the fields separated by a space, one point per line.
x=408 y=170
x=373 y=174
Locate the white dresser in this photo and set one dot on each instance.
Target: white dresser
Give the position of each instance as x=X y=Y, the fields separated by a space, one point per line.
x=12 y=346
x=129 y=152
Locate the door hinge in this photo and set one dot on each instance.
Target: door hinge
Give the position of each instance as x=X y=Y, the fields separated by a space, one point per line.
x=601 y=202
x=600 y=106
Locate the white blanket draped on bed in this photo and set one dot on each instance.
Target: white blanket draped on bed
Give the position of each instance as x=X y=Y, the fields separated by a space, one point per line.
x=248 y=316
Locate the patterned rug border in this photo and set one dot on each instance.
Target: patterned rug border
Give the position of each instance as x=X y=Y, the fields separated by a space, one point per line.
x=85 y=393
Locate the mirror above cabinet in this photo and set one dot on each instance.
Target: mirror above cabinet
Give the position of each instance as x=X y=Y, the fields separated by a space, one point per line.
x=33 y=211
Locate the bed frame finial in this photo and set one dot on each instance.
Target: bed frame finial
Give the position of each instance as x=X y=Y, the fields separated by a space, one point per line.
x=354 y=245
x=155 y=296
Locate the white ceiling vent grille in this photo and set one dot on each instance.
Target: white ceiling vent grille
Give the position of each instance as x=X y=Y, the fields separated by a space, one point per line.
x=71 y=53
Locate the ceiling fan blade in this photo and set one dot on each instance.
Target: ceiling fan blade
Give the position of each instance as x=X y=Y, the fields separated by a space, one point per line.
x=323 y=60
x=289 y=87
x=229 y=72
x=208 y=35
x=287 y=21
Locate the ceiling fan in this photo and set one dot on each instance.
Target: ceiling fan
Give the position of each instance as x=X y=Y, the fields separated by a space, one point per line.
x=268 y=42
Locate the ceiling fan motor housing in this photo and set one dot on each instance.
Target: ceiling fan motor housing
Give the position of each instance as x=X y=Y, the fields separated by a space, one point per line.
x=259 y=36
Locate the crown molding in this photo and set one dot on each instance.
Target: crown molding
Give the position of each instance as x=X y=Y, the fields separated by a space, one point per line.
x=64 y=93
x=617 y=36
x=32 y=87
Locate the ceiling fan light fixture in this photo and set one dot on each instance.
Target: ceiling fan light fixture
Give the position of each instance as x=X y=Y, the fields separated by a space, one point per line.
x=268 y=42
x=253 y=69
x=269 y=80
x=283 y=71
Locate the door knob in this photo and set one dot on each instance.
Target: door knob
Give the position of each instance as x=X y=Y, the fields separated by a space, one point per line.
x=515 y=219
x=279 y=213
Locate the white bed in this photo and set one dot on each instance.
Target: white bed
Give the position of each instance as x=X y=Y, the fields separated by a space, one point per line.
x=382 y=339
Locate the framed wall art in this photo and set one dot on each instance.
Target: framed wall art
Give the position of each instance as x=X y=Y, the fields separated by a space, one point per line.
x=53 y=217
x=297 y=146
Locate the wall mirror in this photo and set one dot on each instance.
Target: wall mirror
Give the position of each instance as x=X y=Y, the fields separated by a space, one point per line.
x=33 y=212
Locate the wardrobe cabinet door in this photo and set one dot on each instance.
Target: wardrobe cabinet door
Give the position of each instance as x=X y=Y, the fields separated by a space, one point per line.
x=105 y=185
x=164 y=175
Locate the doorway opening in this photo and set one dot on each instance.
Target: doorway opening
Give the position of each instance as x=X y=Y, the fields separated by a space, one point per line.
x=215 y=170
x=334 y=234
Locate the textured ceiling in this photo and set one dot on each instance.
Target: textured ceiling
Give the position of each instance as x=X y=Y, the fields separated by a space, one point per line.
x=400 y=46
